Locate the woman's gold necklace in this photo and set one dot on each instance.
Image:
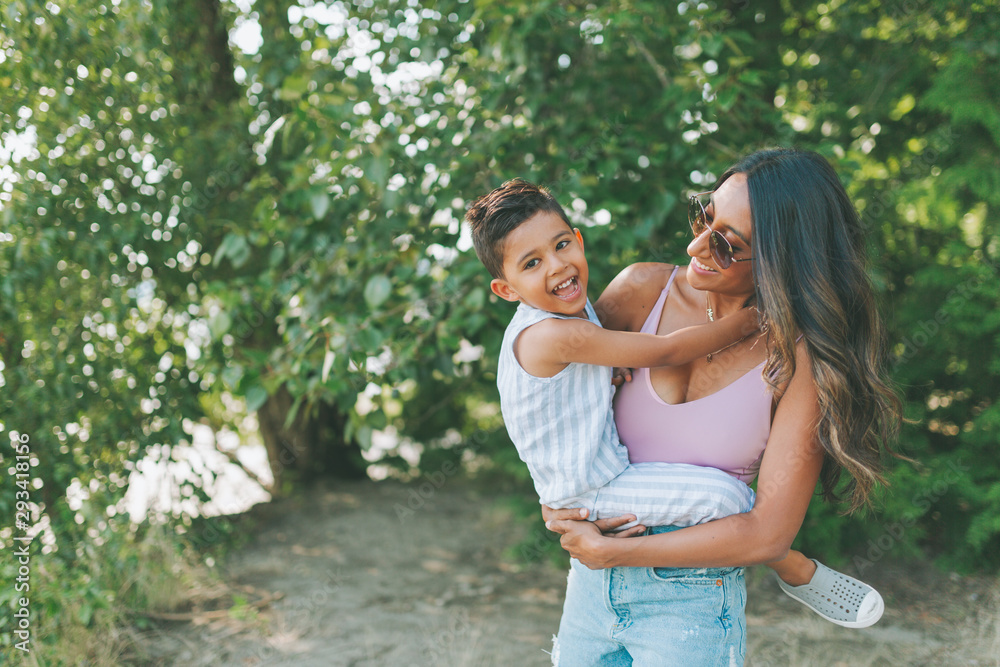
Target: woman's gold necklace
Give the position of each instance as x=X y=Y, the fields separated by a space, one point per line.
x=711 y=318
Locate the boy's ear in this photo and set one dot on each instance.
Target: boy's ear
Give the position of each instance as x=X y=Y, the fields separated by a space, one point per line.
x=503 y=290
x=579 y=236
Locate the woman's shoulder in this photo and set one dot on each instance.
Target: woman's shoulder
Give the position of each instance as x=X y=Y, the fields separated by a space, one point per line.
x=628 y=299
x=647 y=272
x=802 y=367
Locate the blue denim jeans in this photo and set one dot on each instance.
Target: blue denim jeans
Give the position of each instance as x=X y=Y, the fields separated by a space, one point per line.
x=652 y=617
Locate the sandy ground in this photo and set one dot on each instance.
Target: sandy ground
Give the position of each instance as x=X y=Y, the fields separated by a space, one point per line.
x=390 y=574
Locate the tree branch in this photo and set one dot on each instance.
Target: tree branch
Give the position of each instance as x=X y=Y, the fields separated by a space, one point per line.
x=658 y=69
x=236 y=461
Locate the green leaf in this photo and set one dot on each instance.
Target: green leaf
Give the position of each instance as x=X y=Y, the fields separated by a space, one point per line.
x=256 y=396
x=475 y=299
x=231 y=375
x=327 y=364
x=294 y=87
x=320 y=204
x=377 y=171
x=86 y=613
x=277 y=255
x=377 y=290
x=727 y=97
x=364 y=437
x=235 y=247
x=713 y=44
x=219 y=324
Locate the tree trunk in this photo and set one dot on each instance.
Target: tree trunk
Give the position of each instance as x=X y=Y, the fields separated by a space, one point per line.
x=312 y=446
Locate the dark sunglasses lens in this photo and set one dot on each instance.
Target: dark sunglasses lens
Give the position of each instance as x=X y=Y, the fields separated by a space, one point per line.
x=722 y=252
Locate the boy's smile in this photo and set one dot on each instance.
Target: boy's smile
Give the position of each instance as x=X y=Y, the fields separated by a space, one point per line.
x=544 y=266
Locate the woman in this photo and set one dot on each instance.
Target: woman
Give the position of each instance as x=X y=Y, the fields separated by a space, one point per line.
x=803 y=402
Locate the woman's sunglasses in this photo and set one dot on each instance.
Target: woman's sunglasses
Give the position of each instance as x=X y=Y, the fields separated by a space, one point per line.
x=722 y=250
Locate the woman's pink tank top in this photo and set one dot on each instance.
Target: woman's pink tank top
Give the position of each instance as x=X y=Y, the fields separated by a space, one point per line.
x=727 y=430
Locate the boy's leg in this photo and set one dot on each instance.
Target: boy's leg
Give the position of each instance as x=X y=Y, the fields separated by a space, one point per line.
x=794 y=569
x=678 y=494
x=672 y=494
x=833 y=595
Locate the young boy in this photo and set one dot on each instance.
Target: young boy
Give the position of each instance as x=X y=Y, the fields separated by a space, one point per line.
x=555 y=384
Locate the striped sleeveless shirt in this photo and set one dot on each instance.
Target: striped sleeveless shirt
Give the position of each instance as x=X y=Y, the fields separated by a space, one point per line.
x=562 y=426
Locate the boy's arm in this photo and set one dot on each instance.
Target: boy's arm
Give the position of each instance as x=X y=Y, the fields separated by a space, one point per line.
x=557 y=342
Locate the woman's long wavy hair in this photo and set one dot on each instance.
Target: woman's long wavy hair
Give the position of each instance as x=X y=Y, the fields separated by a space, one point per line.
x=810 y=276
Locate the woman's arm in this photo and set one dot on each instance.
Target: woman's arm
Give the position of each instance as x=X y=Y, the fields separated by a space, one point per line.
x=789 y=470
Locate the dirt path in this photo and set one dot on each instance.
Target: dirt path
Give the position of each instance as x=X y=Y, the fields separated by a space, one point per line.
x=384 y=575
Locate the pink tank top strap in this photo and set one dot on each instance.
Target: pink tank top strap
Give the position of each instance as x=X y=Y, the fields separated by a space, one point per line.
x=653 y=319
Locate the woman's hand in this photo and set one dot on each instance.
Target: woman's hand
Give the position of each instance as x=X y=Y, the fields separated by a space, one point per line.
x=583 y=540
x=588 y=541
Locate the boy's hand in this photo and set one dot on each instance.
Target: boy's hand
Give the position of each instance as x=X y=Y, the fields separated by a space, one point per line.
x=584 y=542
x=750 y=319
x=620 y=376
x=606 y=526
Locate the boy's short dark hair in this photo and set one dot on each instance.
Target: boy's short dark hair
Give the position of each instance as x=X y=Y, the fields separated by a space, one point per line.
x=495 y=215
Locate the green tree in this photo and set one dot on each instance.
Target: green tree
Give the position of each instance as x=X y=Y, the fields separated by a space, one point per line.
x=129 y=122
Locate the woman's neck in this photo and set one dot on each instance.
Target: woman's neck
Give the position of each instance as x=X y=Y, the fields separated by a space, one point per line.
x=725 y=304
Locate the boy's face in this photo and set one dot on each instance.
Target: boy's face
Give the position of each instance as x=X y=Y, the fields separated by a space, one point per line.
x=544 y=266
